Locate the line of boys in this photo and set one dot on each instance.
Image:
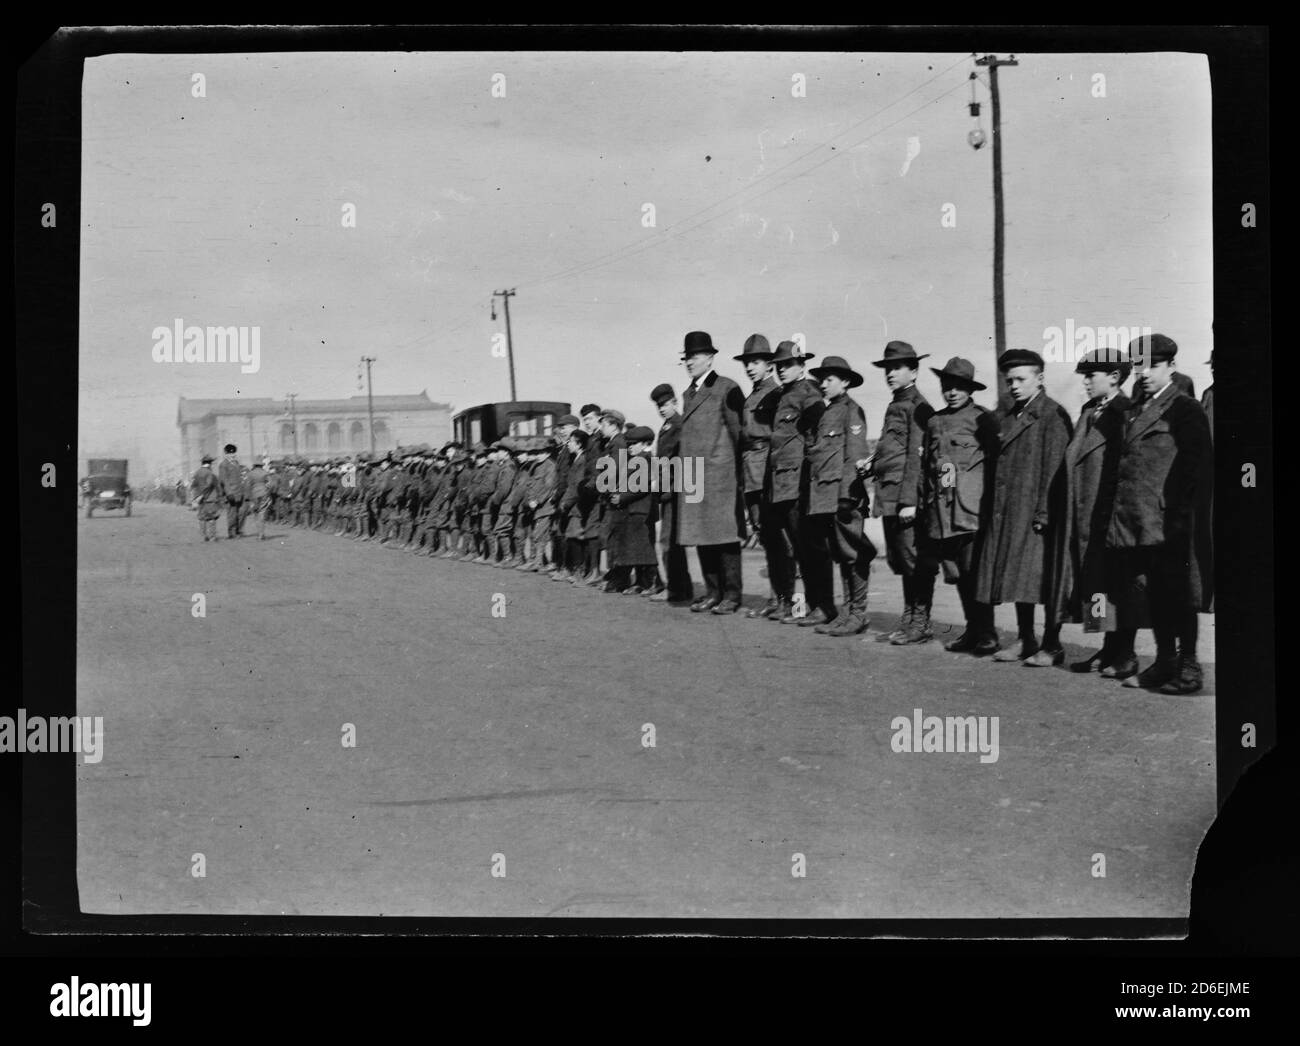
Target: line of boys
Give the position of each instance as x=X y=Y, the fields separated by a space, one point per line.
x=1103 y=523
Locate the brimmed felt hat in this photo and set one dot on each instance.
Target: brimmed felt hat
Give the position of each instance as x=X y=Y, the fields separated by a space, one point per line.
x=756 y=348
x=899 y=352
x=839 y=366
x=789 y=352
x=961 y=372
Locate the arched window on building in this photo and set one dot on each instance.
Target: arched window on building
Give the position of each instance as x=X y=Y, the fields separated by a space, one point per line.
x=383 y=441
x=310 y=437
x=286 y=437
x=334 y=436
x=357 y=436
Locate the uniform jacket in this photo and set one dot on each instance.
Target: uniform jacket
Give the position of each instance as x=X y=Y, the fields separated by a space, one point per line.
x=711 y=424
x=840 y=443
x=897 y=465
x=1028 y=487
x=794 y=425
x=542 y=488
x=1091 y=471
x=756 y=432
x=256 y=484
x=1165 y=486
x=231 y=474
x=954 y=499
x=668 y=446
x=516 y=499
x=206 y=486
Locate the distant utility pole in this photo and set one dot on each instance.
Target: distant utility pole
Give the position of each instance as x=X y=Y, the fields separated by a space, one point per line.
x=505 y=297
x=293 y=419
x=993 y=63
x=370 y=402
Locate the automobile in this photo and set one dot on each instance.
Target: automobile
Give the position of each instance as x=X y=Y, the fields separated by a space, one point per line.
x=106 y=486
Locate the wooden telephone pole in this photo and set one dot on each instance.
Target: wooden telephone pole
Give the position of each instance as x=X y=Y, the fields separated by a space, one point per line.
x=993 y=63
x=370 y=402
x=505 y=297
x=293 y=419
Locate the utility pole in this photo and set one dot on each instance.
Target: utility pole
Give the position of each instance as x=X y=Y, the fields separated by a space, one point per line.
x=505 y=297
x=992 y=63
x=370 y=402
x=293 y=419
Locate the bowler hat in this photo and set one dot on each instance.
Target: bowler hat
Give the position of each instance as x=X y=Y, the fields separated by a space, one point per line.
x=697 y=341
x=899 y=352
x=230 y=448
x=839 y=366
x=789 y=352
x=960 y=372
x=640 y=434
x=756 y=348
x=662 y=394
x=1019 y=358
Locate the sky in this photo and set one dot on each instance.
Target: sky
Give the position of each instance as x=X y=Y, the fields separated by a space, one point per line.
x=820 y=215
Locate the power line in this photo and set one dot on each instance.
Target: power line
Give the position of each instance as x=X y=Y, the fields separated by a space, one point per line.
x=663 y=234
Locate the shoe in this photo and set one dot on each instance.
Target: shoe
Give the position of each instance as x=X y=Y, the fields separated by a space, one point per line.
x=984 y=647
x=595 y=580
x=1124 y=668
x=1097 y=661
x=789 y=618
x=654 y=590
x=765 y=610
x=919 y=629
x=1154 y=676
x=1019 y=652
x=815 y=618
x=1189 y=679
x=702 y=606
x=727 y=606
x=633 y=590
x=904 y=623
x=781 y=611
x=963 y=644
x=1045 y=658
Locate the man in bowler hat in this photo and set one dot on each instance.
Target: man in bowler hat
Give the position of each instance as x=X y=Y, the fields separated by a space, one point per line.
x=711 y=426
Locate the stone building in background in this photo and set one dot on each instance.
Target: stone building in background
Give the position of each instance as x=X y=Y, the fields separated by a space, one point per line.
x=311 y=429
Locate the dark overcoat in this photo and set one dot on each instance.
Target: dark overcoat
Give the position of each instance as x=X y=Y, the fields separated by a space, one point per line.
x=711 y=423
x=1028 y=488
x=542 y=488
x=668 y=447
x=629 y=542
x=574 y=506
x=1165 y=487
x=1081 y=568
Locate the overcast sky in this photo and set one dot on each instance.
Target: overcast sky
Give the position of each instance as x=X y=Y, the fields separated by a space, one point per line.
x=226 y=210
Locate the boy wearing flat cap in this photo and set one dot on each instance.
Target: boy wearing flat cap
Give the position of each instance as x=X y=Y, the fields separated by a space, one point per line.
x=896 y=469
x=1160 y=526
x=1027 y=509
x=674 y=584
x=836 y=507
x=959 y=442
x=1082 y=587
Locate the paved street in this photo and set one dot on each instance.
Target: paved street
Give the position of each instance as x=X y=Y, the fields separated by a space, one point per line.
x=522 y=736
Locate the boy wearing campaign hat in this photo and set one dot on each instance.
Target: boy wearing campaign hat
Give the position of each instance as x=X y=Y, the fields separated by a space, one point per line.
x=959 y=446
x=896 y=469
x=1028 y=506
x=837 y=504
x=759 y=411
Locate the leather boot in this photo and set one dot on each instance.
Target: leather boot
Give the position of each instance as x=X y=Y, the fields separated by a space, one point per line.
x=919 y=629
x=909 y=608
x=813 y=618
x=1189 y=679
x=854 y=619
